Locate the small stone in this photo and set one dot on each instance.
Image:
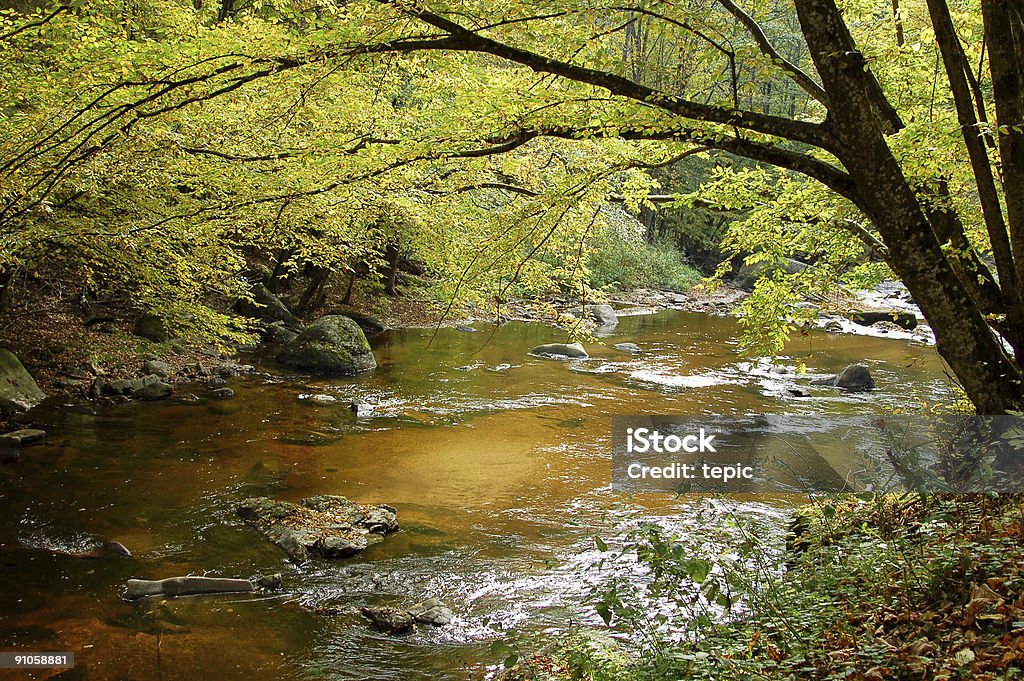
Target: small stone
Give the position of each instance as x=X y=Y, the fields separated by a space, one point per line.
x=319 y=399
x=222 y=393
x=270 y=582
x=631 y=348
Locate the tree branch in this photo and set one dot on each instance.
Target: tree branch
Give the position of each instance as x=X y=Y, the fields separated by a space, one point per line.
x=806 y=83
x=464 y=39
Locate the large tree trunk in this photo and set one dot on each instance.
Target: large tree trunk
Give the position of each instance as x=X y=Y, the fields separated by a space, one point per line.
x=990 y=378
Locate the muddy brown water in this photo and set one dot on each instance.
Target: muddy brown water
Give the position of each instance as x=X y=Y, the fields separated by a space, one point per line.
x=500 y=476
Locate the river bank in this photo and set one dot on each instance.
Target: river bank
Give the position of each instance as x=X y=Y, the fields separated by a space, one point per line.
x=74 y=354
x=874 y=588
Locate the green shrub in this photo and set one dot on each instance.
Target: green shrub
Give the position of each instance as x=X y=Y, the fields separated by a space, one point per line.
x=619 y=263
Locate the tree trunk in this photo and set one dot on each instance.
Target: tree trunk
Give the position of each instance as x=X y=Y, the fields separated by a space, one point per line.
x=990 y=378
x=391 y=253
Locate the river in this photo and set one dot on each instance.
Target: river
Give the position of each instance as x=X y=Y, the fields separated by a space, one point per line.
x=500 y=476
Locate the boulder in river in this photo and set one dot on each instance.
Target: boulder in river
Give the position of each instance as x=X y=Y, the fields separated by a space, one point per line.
x=854 y=378
x=904 y=320
x=154 y=390
x=631 y=348
x=396 y=621
x=279 y=334
x=324 y=526
x=390 y=620
x=370 y=325
x=560 y=351
x=18 y=390
x=432 y=611
x=603 y=315
x=332 y=346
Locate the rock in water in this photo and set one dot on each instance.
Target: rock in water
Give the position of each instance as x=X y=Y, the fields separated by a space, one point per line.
x=18 y=390
x=631 y=348
x=560 y=350
x=370 y=325
x=279 y=334
x=748 y=275
x=904 y=320
x=186 y=586
x=390 y=620
x=333 y=345
x=603 y=315
x=19 y=438
x=433 y=612
x=854 y=378
x=157 y=390
x=324 y=526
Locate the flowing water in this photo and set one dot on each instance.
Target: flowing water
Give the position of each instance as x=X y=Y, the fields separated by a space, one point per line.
x=497 y=462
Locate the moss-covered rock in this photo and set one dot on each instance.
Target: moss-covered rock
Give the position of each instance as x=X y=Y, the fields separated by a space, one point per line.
x=18 y=390
x=333 y=345
x=151 y=327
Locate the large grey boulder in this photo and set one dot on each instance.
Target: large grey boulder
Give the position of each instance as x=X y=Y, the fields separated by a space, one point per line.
x=560 y=351
x=854 y=378
x=603 y=315
x=18 y=390
x=331 y=346
x=266 y=307
x=325 y=526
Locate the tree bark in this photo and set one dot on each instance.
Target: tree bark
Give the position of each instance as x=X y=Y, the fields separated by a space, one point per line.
x=391 y=253
x=991 y=379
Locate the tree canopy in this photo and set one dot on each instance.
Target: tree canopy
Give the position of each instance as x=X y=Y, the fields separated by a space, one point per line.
x=158 y=147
